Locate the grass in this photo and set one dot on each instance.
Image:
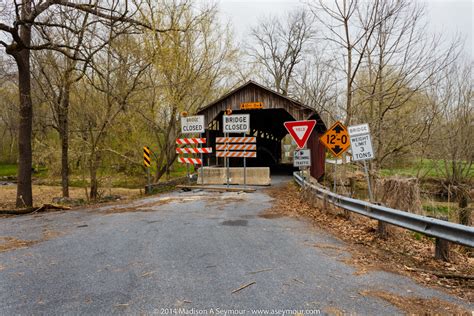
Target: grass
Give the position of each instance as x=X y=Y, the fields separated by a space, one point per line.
x=436 y=209
x=107 y=178
x=8 y=170
x=428 y=168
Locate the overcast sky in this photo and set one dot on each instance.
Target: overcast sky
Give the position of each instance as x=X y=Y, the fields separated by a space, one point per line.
x=447 y=16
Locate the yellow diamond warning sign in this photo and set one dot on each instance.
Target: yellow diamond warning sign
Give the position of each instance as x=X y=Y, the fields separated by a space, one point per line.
x=336 y=139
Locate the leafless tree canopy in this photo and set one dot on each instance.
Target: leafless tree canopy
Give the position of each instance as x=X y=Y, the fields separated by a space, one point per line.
x=85 y=83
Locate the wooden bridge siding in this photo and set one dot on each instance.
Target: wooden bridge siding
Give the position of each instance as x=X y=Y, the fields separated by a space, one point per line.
x=255 y=94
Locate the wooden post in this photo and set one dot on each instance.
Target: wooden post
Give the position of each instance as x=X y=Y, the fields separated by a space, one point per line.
x=148 y=181
x=442 y=246
x=202 y=162
x=382 y=230
x=442 y=249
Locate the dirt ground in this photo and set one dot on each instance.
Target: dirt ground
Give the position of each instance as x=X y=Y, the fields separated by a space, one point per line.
x=403 y=252
x=44 y=194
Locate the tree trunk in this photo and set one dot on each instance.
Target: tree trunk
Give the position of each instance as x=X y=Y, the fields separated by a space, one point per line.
x=63 y=113
x=93 y=166
x=24 y=196
x=464 y=211
x=94 y=184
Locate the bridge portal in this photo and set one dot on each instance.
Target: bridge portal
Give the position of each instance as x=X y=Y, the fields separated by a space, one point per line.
x=266 y=123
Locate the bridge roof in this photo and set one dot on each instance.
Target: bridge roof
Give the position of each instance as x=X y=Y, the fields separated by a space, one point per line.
x=251 y=91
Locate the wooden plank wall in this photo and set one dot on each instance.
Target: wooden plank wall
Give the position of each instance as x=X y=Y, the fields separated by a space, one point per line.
x=253 y=93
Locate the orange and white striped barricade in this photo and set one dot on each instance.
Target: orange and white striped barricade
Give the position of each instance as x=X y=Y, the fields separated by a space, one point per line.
x=192 y=150
x=236 y=147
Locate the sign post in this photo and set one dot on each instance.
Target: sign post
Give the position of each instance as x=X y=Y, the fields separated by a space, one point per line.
x=147 y=164
x=300 y=132
x=227 y=159
x=362 y=150
x=245 y=166
x=336 y=139
x=194 y=125
x=234 y=123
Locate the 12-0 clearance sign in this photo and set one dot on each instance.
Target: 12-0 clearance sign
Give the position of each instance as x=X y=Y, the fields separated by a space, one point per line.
x=336 y=139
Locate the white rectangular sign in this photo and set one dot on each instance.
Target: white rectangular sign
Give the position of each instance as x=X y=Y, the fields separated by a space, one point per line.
x=302 y=158
x=237 y=123
x=356 y=130
x=192 y=124
x=361 y=147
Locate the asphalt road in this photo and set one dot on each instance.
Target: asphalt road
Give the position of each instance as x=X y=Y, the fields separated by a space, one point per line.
x=185 y=251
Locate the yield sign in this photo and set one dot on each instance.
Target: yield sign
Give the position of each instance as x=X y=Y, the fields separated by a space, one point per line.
x=300 y=131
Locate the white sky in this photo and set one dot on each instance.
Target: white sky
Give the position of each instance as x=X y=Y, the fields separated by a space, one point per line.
x=450 y=17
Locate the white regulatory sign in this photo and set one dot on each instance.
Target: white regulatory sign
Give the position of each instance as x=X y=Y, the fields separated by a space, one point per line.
x=362 y=147
x=361 y=143
x=192 y=124
x=356 y=130
x=302 y=158
x=237 y=123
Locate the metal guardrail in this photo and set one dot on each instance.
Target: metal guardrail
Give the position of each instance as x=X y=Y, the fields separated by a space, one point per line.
x=456 y=233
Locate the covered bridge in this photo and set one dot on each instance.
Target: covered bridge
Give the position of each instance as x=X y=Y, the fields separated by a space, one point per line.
x=266 y=123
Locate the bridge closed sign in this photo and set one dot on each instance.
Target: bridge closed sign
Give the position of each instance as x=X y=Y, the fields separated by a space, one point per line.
x=237 y=123
x=302 y=158
x=361 y=143
x=192 y=124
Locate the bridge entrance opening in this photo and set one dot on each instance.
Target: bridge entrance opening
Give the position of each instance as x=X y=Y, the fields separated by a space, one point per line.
x=274 y=145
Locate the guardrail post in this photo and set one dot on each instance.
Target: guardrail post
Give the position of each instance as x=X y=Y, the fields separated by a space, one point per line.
x=446 y=232
x=382 y=230
x=442 y=246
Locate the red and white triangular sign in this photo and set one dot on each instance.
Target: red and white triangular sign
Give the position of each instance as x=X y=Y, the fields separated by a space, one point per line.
x=300 y=131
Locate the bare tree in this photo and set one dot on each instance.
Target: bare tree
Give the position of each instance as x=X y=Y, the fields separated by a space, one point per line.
x=316 y=86
x=402 y=62
x=280 y=46
x=108 y=91
x=350 y=25
x=188 y=71
x=27 y=25
x=455 y=145
x=55 y=75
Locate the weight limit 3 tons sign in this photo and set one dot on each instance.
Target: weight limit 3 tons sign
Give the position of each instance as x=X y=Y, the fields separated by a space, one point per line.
x=361 y=143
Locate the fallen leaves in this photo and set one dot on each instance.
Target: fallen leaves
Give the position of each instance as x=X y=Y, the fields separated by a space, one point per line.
x=369 y=252
x=44 y=194
x=147 y=207
x=13 y=243
x=413 y=305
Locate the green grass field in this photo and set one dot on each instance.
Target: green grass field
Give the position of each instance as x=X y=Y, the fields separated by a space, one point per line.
x=107 y=178
x=426 y=168
x=8 y=170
